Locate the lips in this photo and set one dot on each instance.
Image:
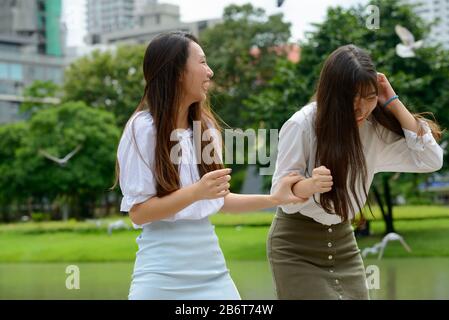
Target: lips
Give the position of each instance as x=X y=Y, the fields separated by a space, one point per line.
x=206 y=85
x=361 y=121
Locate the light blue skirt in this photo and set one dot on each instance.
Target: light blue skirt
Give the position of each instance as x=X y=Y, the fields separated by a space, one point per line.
x=181 y=260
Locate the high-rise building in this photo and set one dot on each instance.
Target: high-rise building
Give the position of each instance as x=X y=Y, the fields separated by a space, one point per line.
x=149 y=19
x=105 y=16
x=35 y=19
x=434 y=11
x=32 y=45
x=140 y=4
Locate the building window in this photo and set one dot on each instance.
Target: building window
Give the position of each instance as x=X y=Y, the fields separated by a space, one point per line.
x=8 y=111
x=6 y=87
x=54 y=74
x=39 y=73
x=9 y=48
x=3 y=71
x=11 y=71
x=15 y=72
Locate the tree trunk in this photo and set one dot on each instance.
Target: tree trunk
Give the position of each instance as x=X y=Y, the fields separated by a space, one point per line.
x=387 y=212
x=387 y=193
x=108 y=204
x=30 y=205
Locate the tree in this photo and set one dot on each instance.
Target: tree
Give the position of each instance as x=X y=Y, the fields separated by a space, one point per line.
x=111 y=80
x=12 y=188
x=56 y=131
x=39 y=95
x=239 y=72
x=420 y=81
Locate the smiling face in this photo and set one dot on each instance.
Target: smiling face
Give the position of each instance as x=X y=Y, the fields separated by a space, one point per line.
x=364 y=103
x=197 y=75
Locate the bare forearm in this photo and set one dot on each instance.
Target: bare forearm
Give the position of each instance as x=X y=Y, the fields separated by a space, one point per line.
x=404 y=116
x=235 y=203
x=303 y=189
x=158 y=208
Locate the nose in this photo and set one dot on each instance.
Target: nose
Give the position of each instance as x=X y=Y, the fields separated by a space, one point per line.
x=210 y=73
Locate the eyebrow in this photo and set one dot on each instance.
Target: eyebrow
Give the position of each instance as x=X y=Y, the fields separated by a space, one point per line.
x=368 y=95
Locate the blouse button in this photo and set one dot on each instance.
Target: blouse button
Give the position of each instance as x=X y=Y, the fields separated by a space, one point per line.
x=330 y=257
x=329 y=244
x=330 y=230
x=336 y=281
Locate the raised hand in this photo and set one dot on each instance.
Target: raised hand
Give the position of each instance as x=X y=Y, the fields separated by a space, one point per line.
x=214 y=184
x=385 y=89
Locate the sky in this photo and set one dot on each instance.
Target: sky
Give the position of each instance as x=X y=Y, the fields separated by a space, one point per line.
x=301 y=13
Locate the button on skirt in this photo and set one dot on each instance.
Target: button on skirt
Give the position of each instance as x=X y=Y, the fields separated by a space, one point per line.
x=310 y=260
x=180 y=260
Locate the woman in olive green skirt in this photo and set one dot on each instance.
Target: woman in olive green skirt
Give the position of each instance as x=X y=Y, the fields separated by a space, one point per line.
x=314 y=261
x=356 y=127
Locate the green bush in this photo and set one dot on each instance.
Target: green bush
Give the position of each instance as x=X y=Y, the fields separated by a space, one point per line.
x=40 y=216
x=237 y=179
x=421 y=201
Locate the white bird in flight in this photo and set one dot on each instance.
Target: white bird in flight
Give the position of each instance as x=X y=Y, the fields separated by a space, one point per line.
x=406 y=49
x=63 y=161
x=392 y=236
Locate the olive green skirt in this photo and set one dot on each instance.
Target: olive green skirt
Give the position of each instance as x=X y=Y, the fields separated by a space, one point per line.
x=310 y=260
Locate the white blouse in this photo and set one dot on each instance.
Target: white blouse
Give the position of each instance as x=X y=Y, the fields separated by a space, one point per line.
x=137 y=181
x=384 y=150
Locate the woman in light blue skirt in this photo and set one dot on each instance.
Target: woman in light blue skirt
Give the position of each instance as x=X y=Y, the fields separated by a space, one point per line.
x=190 y=265
x=171 y=174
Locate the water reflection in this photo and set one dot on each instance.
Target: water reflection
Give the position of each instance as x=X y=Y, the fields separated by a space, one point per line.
x=406 y=278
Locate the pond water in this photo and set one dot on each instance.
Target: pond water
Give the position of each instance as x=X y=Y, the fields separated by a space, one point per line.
x=407 y=278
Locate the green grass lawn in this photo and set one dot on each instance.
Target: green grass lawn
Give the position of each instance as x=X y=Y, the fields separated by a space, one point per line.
x=242 y=237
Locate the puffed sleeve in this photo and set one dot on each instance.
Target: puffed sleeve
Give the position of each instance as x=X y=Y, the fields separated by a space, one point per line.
x=410 y=154
x=293 y=152
x=136 y=158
